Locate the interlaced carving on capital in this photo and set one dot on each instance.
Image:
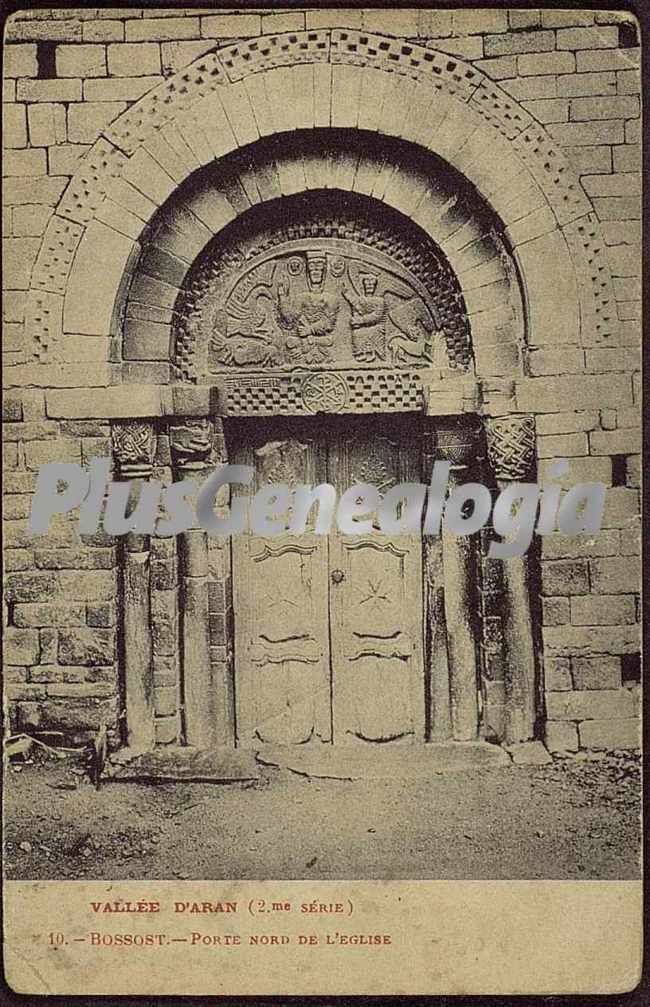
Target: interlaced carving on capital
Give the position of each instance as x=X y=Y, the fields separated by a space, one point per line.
x=511 y=446
x=133 y=448
x=190 y=441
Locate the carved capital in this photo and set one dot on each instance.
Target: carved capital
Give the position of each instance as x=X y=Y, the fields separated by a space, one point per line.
x=456 y=441
x=511 y=446
x=133 y=448
x=190 y=441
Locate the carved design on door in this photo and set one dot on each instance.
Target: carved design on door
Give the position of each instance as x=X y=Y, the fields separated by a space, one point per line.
x=328 y=629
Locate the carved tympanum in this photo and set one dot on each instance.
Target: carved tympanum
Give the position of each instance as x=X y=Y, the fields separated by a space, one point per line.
x=325 y=292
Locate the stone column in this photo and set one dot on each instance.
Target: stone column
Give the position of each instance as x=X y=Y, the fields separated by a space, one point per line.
x=133 y=446
x=511 y=453
x=457 y=442
x=438 y=713
x=191 y=443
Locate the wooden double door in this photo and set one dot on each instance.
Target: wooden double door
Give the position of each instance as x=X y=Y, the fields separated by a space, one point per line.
x=328 y=629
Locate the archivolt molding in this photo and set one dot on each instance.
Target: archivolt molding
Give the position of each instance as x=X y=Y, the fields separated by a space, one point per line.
x=350 y=79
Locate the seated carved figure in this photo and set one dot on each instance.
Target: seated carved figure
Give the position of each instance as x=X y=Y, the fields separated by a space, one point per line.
x=309 y=316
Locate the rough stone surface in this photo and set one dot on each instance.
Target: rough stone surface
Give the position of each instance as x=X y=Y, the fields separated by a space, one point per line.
x=569 y=85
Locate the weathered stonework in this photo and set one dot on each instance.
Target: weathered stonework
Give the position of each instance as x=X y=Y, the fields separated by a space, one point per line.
x=124 y=168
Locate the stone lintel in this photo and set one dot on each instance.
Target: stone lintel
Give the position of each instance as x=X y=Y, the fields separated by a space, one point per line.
x=132 y=402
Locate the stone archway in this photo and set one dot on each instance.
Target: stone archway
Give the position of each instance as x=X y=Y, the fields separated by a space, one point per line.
x=355 y=85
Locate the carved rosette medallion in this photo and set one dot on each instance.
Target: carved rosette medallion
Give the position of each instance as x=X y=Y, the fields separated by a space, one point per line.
x=511 y=446
x=324 y=393
x=323 y=292
x=133 y=447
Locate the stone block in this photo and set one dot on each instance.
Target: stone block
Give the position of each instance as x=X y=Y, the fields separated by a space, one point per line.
x=101 y=615
x=577 y=134
x=39 y=614
x=558 y=546
x=86 y=120
x=548 y=110
x=21 y=646
x=479 y=22
x=604 y=107
x=613 y=442
x=47 y=124
x=610 y=734
x=146 y=341
x=102 y=31
x=14 y=131
x=147 y=176
x=166 y=730
x=470 y=48
x=48 y=90
x=526 y=88
x=557 y=673
x=29 y=586
x=575 y=85
x=34 y=190
x=607 y=59
x=562 y=446
x=499 y=67
x=540 y=63
x=64 y=160
x=79 y=719
x=561 y=360
x=560 y=736
x=90 y=585
x=520 y=42
x=30 y=221
x=176 y=55
x=588 y=38
x=86 y=646
x=135 y=59
x=24 y=162
x=584 y=641
x=231 y=25
x=628 y=81
x=589 y=391
x=555 y=611
x=591 y=159
x=162 y=29
x=111 y=403
x=596 y=705
x=430 y=23
x=19 y=255
x=603 y=610
x=553 y=299
x=566 y=18
x=165 y=701
x=562 y=577
x=49 y=30
x=81 y=61
x=566 y=422
x=99 y=243
x=285 y=21
x=20 y=61
x=529 y=753
x=38 y=453
x=118 y=88
x=601 y=672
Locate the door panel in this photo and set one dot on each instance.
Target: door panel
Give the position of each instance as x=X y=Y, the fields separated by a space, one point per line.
x=280 y=601
x=376 y=596
x=295 y=594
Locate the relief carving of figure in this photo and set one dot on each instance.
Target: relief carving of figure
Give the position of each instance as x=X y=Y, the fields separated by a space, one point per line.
x=367 y=320
x=309 y=317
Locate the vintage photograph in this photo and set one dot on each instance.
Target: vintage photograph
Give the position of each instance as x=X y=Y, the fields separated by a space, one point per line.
x=337 y=248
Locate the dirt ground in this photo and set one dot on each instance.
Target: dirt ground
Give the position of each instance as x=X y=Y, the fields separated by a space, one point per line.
x=576 y=818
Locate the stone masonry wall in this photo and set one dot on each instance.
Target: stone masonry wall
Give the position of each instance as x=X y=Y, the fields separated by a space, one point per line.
x=67 y=75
